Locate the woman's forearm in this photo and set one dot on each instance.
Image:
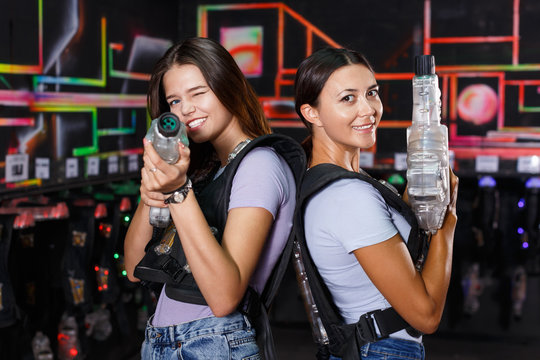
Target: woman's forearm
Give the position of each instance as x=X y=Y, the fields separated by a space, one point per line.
x=137 y=236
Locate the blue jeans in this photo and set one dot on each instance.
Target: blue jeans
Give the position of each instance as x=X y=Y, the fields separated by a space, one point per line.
x=391 y=348
x=229 y=337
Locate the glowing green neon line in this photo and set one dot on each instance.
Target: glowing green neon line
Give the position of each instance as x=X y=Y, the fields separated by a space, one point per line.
x=456 y=68
x=29 y=69
x=122 y=130
x=81 y=81
x=124 y=74
x=80 y=151
x=529 y=109
x=5 y=82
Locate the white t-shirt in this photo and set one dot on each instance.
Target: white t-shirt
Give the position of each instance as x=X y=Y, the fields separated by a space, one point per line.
x=350 y=214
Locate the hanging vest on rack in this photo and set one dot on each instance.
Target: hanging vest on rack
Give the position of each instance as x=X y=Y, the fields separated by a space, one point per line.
x=345 y=340
x=9 y=311
x=165 y=262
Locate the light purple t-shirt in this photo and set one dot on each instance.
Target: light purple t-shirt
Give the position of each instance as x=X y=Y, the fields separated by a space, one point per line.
x=264 y=180
x=347 y=215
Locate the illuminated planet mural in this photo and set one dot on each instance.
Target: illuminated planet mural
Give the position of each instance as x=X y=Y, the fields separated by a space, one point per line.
x=477 y=104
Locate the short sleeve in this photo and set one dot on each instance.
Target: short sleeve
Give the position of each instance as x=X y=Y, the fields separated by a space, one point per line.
x=350 y=212
x=260 y=181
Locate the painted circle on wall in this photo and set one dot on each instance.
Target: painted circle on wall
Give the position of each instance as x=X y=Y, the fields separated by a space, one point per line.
x=477 y=104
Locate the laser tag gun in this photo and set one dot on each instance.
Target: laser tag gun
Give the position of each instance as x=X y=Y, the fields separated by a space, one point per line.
x=519 y=291
x=69 y=347
x=98 y=324
x=428 y=174
x=41 y=347
x=472 y=289
x=486 y=221
x=165 y=133
x=532 y=218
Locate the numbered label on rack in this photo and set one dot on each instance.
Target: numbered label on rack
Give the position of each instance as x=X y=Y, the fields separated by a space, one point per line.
x=487 y=163
x=528 y=164
x=16 y=167
x=400 y=161
x=133 y=163
x=92 y=166
x=72 y=168
x=112 y=165
x=367 y=159
x=43 y=168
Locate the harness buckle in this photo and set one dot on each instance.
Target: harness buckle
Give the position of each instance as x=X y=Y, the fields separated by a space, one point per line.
x=365 y=327
x=173 y=269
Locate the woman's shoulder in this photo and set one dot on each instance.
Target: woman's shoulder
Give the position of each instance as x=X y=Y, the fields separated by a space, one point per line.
x=350 y=189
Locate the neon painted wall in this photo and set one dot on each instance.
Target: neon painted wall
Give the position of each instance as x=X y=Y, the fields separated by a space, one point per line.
x=73 y=75
x=73 y=79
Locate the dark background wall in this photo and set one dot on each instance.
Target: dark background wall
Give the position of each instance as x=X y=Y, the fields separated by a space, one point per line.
x=73 y=76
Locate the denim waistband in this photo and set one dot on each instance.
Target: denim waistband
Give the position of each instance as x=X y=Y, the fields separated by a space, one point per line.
x=204 y=326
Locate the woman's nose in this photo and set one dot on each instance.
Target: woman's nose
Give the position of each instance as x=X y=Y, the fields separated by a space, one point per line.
x=365 y=108
x=187 y=108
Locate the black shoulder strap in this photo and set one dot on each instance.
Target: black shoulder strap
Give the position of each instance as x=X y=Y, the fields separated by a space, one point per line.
x=254 y=305
x=295 y=157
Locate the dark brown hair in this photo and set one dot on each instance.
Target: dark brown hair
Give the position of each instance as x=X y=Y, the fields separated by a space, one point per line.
x=312 y=75
x=225 y=79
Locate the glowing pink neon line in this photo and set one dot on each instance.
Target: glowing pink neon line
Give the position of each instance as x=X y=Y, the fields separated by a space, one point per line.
x=97 y=100
x=444 y=96
x=521 y=99
x=427 y=26
x=471 y=39
x=16 y=98
x=515 y=31
x=500 y=118
x=17 y=122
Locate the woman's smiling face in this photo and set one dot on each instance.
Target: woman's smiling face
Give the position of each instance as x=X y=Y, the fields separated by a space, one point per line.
x=349 y=108
x=193 y=101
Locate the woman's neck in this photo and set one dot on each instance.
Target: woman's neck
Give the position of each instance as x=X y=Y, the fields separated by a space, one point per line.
x=225 y=143
x=330 y=152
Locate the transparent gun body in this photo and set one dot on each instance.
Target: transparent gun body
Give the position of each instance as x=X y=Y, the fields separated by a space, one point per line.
x=167 y=148
x=427 y=155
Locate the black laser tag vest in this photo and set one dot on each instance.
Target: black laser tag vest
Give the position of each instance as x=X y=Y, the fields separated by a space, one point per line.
x=165 y=261
x=9 y=310
x=345 y=340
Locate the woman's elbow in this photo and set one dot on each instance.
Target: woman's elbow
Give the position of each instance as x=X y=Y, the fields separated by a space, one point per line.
x=132 y=277
x=223 y=310
x=427 y=323
x=429 y=326
x=223 y=306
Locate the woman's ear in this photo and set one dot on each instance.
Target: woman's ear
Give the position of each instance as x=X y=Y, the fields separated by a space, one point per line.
x=310 y=114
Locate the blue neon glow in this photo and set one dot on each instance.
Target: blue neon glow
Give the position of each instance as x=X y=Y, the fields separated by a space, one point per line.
x=487 y=181
x=533 y=182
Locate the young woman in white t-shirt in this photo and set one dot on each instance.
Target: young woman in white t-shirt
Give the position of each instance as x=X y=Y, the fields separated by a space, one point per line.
x=354 y=238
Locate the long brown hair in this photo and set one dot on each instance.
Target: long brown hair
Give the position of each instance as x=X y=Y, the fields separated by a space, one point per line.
x=225 y=79
x=312 y=75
